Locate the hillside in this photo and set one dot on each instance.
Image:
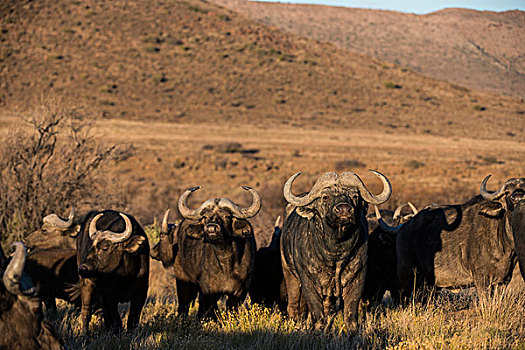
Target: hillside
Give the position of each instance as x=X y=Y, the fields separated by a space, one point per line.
x=480 y=50
x=191 y=61
x=208 y=97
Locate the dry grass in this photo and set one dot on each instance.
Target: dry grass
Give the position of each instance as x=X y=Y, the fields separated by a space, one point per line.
x=447 y=320
x=473 y=321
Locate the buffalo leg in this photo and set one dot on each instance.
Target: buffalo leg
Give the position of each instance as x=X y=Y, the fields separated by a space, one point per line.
x=111 y=316
x=207 y=305
x=314 y=303
x=135 y=308
x=235 y=300
x=351 y=296
x=409 y=280
x=86 y=295
x=186 y=293
x=293 y=289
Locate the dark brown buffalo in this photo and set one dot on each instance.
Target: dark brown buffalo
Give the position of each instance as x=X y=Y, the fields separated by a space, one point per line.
x=381 y=273
x=22 y=323
x=55 y=274
x=211 y=252
x=268 y=286
x=474 y=243
x=113 y=262
x=55 y=233
x=324 y=247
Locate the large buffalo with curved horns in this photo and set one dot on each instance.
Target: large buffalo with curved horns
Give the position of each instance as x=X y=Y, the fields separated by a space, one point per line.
x=211 y=251
x=475 y=243
x=324 y=246
x=22 y=323
x=113 y=261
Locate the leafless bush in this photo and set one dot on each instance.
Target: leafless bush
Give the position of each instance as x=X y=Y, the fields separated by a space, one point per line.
x=50 y=163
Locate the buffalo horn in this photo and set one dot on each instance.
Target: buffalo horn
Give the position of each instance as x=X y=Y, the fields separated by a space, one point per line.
x=164 y=226
x=115 y=237
x=15 y=269
x=490 y=196
x=398 y=210
x=384 y=225
x=413 y=207
x=397 y=213
x=326 y=180
x=192 y=214
x=278 y=222
x=55 y=220
x=243 y=213
x=351 y=179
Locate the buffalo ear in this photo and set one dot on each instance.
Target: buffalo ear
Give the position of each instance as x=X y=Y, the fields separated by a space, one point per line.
x=194 y=231
x=134 y=244
x=242 y=228
x=492 y=209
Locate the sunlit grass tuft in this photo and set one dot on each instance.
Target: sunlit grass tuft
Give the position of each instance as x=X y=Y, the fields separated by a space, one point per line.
x=467 y=320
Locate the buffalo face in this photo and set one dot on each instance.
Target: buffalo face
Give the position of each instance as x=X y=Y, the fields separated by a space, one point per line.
x=339 y=205
x=55 y=232
x=511 y=196
x=219 y=220
x=216 y=224
x=339 y=200
x=107 y=248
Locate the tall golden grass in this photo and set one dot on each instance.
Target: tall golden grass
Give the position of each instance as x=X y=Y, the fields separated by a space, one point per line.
x=466 y=320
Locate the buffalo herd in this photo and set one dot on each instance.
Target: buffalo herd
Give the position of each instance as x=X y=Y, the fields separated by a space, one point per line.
x=326 y=255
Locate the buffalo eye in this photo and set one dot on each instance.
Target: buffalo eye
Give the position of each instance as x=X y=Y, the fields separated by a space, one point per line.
x=517 y=196
x=103 y=246
x=324 y=198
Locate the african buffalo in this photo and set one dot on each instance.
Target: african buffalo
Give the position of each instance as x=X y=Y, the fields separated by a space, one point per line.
x=113 y=260
x=22 y=323
x=55 y=233
x=268 y=287
x=474 y=243
x=381 y=273
x=55 y=273
x=324 y=246
x=167 y=247
x=211 y=251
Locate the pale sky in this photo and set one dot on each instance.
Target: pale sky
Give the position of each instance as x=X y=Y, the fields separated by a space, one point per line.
x=419 y=7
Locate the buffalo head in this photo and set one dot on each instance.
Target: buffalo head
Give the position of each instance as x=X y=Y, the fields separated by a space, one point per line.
x=166 y=248
x=22 y=324
x=511 y=197
x=339 y=199
x=55 y=232
x=219 y=219
x=14 y=279
x=103 y=252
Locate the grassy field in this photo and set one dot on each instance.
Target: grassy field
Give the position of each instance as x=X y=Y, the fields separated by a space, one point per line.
x=448 y=321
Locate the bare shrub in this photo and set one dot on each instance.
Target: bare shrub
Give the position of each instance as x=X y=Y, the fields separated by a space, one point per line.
x=50 y=163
